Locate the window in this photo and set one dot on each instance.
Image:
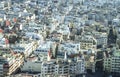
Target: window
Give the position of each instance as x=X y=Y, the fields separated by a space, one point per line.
x=38 y=75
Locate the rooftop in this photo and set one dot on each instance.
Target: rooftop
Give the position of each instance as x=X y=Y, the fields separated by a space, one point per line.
x=116 y=53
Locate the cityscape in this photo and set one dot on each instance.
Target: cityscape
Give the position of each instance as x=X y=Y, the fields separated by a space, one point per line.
x=59 y=38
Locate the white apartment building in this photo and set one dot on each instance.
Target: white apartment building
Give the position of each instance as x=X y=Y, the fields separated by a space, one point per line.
x=107 y=64
x=57 y=37
x=70 y=48
x=111 y=64
x=3 y=43
x=50 y=68
x=26 y=47
x=32 y=64
x=77 y=67
x=86 y=42
x=63 y=68
x=101 y=38
x=44 y=47
x=64 y=30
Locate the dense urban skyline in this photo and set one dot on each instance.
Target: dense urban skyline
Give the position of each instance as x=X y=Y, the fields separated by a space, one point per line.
x=59 y=38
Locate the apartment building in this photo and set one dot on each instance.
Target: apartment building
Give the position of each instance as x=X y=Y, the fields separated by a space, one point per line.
x=90 y=63
x=69 y=47
x=78 y=67
x=63 y=68
x=107 y=64
x=1 y=67
x=56 y=37
x=46 y=46
x=4 y=42
x=101 y=38
x=50 y=68
x=27 y=47
x=32 y=65
x=86 y=42
x=10 y=62
x=111 y=64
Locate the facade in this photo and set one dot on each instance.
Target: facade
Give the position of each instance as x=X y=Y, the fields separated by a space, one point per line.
x=64 y=69
x=101 y=38
x=58 y=29
x=87 y=42
x=107 y=64
x=61 y=68
x=10 y=63
x=69 y=47
x=27 y=47
x=111 y=64
x=1 y=68
x=32 y=65
x=43 y=48
x=90 y=64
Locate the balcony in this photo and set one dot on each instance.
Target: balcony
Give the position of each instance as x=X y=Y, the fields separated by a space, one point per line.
x=6 y=66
